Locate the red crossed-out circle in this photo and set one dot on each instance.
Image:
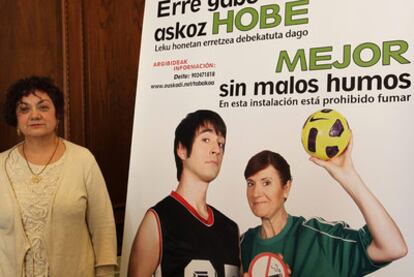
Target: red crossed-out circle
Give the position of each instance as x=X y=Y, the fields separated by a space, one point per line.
x=268 y=264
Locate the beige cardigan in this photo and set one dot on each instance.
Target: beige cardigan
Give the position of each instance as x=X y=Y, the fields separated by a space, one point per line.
x=80 y=232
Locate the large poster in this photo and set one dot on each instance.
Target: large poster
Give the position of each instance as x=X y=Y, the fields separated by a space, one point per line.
x=265 y=66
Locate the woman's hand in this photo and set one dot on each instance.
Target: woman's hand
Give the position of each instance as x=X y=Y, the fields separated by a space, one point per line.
x=387 y=241
x=340 y=167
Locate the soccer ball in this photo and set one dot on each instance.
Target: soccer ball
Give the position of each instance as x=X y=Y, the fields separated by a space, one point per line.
x=325 y=134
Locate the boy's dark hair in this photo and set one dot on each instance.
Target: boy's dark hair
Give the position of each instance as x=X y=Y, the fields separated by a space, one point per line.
x=187 y=129
x=265 y=158
x=27 y=86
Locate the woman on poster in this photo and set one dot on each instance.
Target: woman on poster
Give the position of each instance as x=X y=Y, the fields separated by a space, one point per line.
x=314 y=247
x=56 y=217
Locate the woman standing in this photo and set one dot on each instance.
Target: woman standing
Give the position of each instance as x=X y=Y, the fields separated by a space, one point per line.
x=314 y=247
x=56 y=216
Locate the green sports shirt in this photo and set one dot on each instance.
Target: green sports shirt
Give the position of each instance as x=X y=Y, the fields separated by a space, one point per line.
x=313 y=248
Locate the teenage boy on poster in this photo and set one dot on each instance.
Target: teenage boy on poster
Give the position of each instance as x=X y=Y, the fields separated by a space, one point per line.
x=182 y=235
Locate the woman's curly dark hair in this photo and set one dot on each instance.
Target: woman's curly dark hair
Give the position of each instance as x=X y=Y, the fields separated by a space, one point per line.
x=27 y=86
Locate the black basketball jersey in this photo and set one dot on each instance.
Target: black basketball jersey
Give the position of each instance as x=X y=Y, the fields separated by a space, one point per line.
x=193 y=246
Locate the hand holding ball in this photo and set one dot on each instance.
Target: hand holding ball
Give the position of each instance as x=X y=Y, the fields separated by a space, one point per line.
x=325 y=134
